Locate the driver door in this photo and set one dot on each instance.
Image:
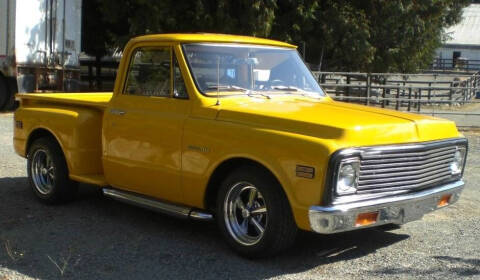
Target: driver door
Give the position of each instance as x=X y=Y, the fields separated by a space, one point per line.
x=143 y=126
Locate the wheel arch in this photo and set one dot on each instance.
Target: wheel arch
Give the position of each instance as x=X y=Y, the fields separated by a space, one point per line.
x=41 y=132
x=223 y=169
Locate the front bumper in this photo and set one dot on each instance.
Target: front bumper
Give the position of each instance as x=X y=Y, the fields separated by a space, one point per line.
x=398 y=209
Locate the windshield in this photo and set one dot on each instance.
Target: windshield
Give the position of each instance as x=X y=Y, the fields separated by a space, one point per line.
x=249 y=69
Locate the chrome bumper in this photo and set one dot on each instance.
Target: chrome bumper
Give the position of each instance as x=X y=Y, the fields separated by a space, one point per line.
x=397 y=209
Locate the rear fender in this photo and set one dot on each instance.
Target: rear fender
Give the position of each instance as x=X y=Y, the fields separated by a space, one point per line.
x=76 y=129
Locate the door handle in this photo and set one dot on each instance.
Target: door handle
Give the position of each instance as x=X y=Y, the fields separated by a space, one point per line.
x=118 y=112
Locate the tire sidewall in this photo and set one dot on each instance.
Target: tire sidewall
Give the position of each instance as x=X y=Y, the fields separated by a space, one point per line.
x=60 y=181
x=271 y=192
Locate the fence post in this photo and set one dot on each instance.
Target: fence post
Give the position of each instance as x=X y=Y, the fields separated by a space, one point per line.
x=419 y=102
x=429 y=91
x=385 y=91
x=348 y=88
x=383 y=97
x=90 y=77
x=398 y=97
x=451 y=94
x=470 y=88
x=369 y=81
x=409 y=98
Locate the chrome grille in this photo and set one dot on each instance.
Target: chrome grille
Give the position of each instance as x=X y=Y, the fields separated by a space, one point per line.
x=395 y=169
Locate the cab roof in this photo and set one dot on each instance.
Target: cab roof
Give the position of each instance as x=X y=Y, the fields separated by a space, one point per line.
x=209 y=37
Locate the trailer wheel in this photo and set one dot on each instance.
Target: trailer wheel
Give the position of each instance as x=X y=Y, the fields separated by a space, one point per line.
x=4 y=93
x=12 y=87
x=48 y=172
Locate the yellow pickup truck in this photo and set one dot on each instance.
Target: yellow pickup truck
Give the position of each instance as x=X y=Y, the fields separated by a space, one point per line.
x=236 y=129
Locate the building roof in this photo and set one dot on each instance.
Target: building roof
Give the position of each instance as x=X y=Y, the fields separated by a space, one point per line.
x=209 y=37
x=467 y=32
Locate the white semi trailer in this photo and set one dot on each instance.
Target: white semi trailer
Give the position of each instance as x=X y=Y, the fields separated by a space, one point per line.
x=39 y=47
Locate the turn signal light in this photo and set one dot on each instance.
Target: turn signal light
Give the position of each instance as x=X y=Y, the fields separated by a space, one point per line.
x=444 y=201
x=365 y=219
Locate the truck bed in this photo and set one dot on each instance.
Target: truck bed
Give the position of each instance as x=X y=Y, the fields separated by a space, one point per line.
x=92 y=99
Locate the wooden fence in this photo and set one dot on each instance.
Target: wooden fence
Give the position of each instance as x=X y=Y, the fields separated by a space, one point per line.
x=401 y=91
x=98 y=77
x=458 y=64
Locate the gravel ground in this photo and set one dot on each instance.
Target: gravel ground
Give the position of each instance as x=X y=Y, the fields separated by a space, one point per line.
x=97 y=238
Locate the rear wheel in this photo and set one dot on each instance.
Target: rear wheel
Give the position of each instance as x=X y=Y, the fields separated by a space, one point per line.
x=48 y=172
x=253 y=213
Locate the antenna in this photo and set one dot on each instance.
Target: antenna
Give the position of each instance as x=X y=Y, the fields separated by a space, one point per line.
x=218 y=80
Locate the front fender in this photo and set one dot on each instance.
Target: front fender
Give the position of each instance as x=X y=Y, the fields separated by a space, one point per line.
x=208 y=143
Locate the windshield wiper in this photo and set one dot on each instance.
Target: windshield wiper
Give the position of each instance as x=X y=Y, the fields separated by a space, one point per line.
x=252 y=93
x=228 y=88
x=249 y=92
x=287 y=88
x=299 y=91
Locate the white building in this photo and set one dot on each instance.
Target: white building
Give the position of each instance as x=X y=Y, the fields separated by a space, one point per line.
x=462 y=48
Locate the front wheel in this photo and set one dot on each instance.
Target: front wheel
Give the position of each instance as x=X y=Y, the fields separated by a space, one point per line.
x=253 y=213
x=48 y=172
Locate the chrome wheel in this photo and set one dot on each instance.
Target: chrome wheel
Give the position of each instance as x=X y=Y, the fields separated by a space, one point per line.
x=43 y=172
x=245 y=213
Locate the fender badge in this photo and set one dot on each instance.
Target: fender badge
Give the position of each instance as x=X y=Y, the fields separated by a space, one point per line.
x=305 y=171
x=198 y=149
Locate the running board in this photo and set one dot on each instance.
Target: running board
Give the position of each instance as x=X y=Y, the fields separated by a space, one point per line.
x=158 y=206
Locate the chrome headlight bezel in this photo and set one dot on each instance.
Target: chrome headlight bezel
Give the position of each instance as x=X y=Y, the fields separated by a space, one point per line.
x=458 y=163
x=347 y=176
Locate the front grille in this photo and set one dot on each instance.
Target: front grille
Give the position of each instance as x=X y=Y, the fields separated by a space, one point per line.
x=395 y=169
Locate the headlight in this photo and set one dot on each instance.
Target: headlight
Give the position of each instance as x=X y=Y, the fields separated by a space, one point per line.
x=456 y=167
x=347 y=178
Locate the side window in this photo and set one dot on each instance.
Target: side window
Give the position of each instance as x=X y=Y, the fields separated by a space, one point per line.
x=149 y=72
x=179 y=89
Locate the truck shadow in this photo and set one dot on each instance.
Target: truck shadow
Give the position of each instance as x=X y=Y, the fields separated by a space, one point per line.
x=460 y=267
x=98 y=238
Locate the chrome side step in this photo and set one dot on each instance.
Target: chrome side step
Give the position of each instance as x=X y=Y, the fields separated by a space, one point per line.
x=159 y=206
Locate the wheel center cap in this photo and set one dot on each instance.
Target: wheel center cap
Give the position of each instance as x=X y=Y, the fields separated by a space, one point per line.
x=44 y=171
x=245 y=213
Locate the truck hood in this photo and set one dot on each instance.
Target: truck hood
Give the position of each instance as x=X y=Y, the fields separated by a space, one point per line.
x=347 y=124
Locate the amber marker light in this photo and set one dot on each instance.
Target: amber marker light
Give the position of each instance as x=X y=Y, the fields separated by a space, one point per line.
x=365 y=219
x=444 y=200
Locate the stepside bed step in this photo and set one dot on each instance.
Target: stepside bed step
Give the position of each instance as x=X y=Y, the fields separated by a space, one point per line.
x=159 y=206
x=94 y=179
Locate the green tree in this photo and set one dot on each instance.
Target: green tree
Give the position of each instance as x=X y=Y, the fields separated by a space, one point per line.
x=249 y=17
x=374 y=35
x=346 y=35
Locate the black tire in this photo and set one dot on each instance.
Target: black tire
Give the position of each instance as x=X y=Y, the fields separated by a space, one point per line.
x=12 y=88
x=4 y=93
x=279 y=226
x=50 y=184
